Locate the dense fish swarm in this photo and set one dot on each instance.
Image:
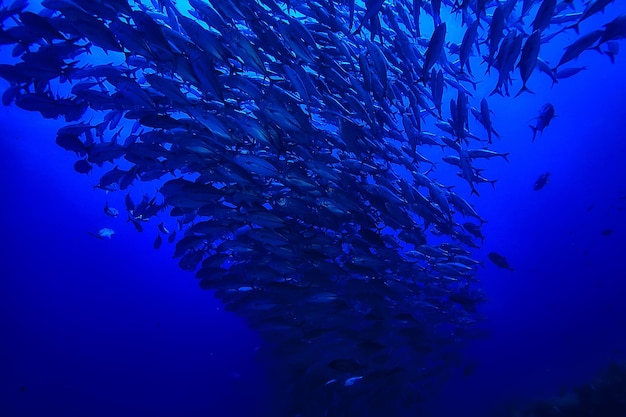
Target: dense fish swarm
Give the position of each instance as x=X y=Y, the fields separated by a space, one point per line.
x=287 y=139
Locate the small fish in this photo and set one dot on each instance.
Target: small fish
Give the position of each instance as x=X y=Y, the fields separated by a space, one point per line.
x=607 y=232
x=105 y=232
x=350 y=381
x=110 y=211
x=82 y=166
x=499 y=261
x=157 y=241
x=569 y=72
x=541 y=181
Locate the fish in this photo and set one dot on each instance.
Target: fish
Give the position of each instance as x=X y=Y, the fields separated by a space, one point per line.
x=505 y=61
x=496 y=33
x=372 y=9
x=104 y=233
x=474 y=230
x=499 y=261
x=546 y=114
x=82 y=166
x=614 y=30
x=467 y=44
x=544 y=15
x=528 y=60
x=158 y=241
x=484 y=117
x=434 y=49
x=541 y=181
x=593 y=7
x=569 y=72
x=110 y=211
x=580 y=45
x=487 y=154
x=544 y=67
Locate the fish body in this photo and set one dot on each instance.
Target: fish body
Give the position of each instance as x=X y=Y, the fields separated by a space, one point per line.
x=544 y=15
x=569 y=72
x=593 y=7
x=467 y=44
x=541 y=181
x=104 y=233
x=614 y=30
x=528 y=60
x=499 y=261
x=579 y=46
x=546 y=114
x=435 y=48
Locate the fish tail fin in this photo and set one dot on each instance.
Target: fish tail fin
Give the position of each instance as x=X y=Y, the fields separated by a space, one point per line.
x=524 y=88
x=474 y=190
x=496 y=90
x=575 y=27
x=611 y=56
x=358 y=29
x=534 y=131
x=506 y=156
x=493 y=183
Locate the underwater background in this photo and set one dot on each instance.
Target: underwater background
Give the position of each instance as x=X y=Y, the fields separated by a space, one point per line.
x=99 y=327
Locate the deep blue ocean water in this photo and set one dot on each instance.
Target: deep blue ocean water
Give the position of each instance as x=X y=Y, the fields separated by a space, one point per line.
x=96 y=328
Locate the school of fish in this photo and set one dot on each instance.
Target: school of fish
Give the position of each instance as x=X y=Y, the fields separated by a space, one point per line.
x=289 y=140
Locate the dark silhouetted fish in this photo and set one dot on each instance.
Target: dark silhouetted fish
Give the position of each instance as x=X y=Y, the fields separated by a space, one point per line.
x=541 y=181
x=544 y=118
x=569 y=72
x=528 y=60
x=614 y=30
x=499 y=261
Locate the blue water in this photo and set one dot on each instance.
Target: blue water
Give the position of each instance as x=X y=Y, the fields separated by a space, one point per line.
x=113 y=327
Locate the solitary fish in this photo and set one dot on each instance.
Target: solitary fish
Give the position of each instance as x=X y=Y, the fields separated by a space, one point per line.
x=157 y=241
x=499 y=261
x=110 y=211
x=102 y=233
x=543 y=120
x=541 y=181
